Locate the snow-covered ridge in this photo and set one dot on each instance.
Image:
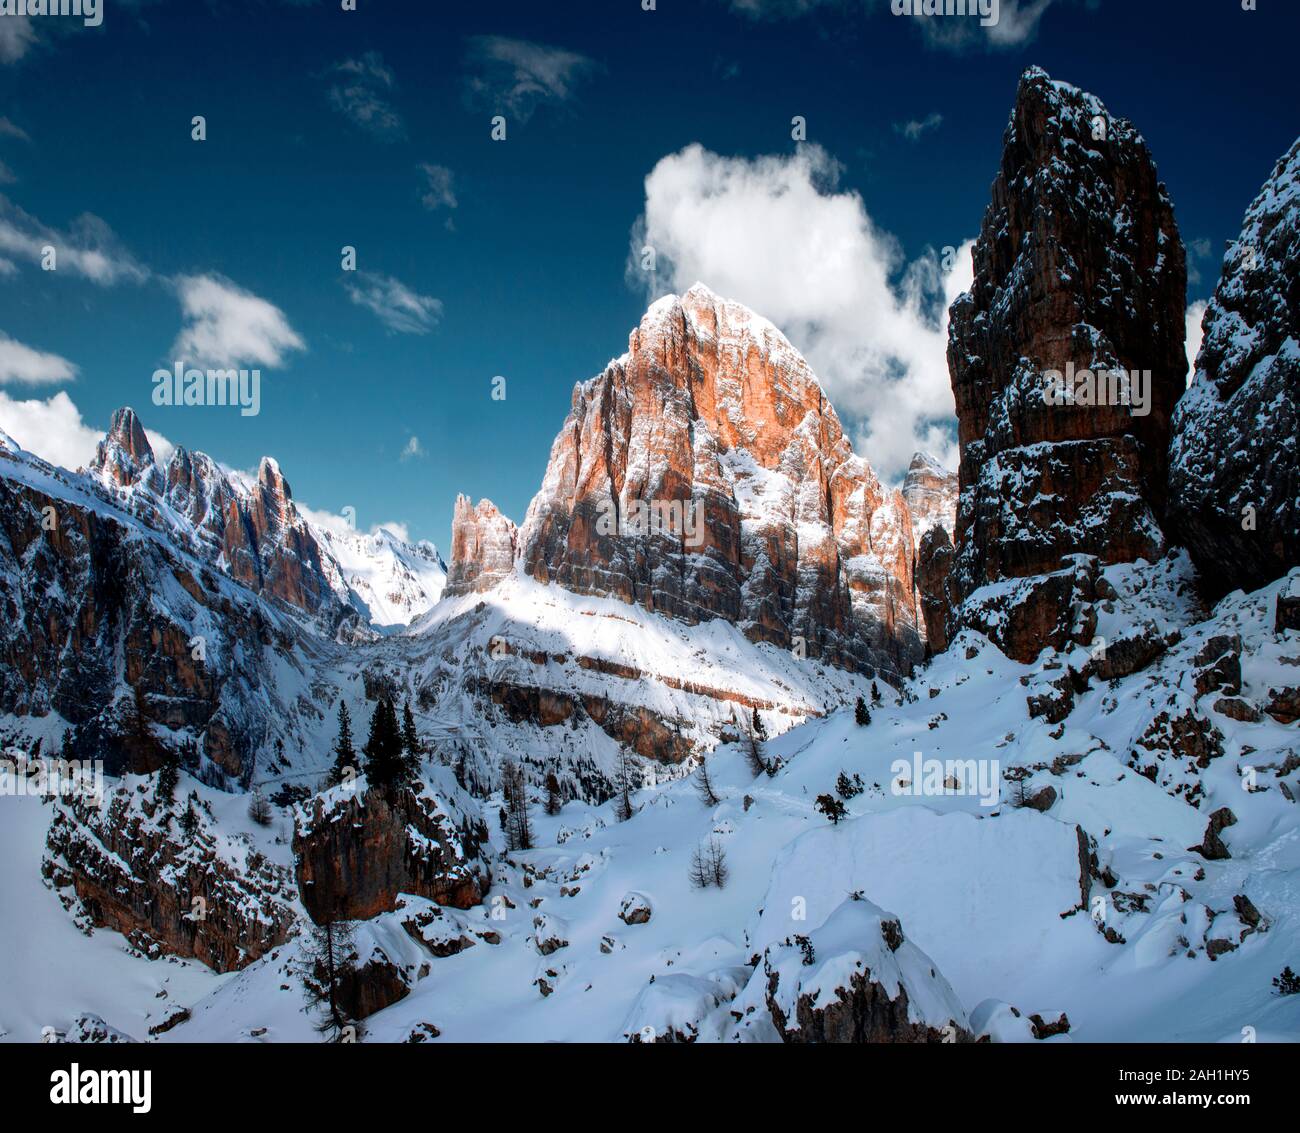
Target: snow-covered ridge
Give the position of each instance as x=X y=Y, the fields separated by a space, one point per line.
x=202 y=506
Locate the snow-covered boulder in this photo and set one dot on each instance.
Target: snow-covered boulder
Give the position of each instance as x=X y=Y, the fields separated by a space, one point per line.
x=857 y=979
x=635 y=909
x=991 y=903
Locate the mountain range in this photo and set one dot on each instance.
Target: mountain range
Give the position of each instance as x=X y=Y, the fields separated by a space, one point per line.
x=704 y=732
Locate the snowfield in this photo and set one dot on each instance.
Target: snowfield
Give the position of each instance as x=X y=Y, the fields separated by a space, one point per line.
x=1090 y=902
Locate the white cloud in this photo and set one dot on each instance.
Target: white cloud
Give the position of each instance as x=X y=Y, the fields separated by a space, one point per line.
x=398 y=307
x=89 y=248
x=1017 y=20
x=339 y=525
x=413 y=450
x=19 y=363
x=1194 y=335
x=361 y=95
x=6 y=175
x=776 y=234
x=16 y=38
x=516 y=75
x=913 y=130
x=230 y=327
x=54 y=430
x=8 y=129
x=439 y=190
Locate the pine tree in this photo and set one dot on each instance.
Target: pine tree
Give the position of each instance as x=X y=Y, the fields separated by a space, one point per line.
x=554 y=800
x=754 y=753
x=385 y=767
x=875 y=693
x=514 y=790
x=831 y=807
x=328 y=953
x=758 y=729
x=412 y=749
x=623 y=808
x=66 y=748
x=862 y=714
x=848 y=788
x=704 y=785
x=168 y=778
x=189 y=819
x=345 y=756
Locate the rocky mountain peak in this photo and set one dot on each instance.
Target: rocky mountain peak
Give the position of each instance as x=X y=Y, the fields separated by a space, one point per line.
x=1066 y=358
x=930 y=492
x=704 y=474
x=124 y=456
x=484 y=544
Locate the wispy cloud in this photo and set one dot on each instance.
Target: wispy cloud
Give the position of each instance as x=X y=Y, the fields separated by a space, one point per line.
x=398 y=307
x=19 y=363
x=1198 y=249
x=88 y=248
x=8 y=129
x=439 y=187
x=6 y=175
x=17 y=35
x=361 y=93
x=1017 y=21
x=913 y=130
x=227 y=326
x=517 y=76
x=413 y=450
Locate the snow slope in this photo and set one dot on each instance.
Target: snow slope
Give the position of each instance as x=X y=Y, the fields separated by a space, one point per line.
x=992 y=894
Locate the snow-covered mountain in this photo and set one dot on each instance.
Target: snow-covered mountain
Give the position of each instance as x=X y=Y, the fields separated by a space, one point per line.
x=669 y=790
x=393 y=580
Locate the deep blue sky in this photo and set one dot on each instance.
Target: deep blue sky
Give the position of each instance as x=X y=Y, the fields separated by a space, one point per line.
x=531 y=272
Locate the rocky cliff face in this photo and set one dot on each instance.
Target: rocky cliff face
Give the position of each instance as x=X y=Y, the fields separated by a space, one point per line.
x=930 y=492
x=257 y=533
x=359 y=848
x=1079 y=272
x=1235 y=454
x=705 y=475
x=483 y=547
x=126 y=866
x=135 y=643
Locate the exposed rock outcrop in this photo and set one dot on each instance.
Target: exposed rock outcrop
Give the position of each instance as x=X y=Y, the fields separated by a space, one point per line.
x=1079 y=270
x=255 y=534
x=1234 y=475
x=123 y=634
x=127 y=866
x=704 y=474
x=857 y=979
x=483 y=547
x=359 y=847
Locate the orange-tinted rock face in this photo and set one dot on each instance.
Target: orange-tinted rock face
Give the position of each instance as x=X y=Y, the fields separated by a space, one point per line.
x=483 y=545
x=357 y=850
x=268 y=546
x=1078 y=267
x=704 y=474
